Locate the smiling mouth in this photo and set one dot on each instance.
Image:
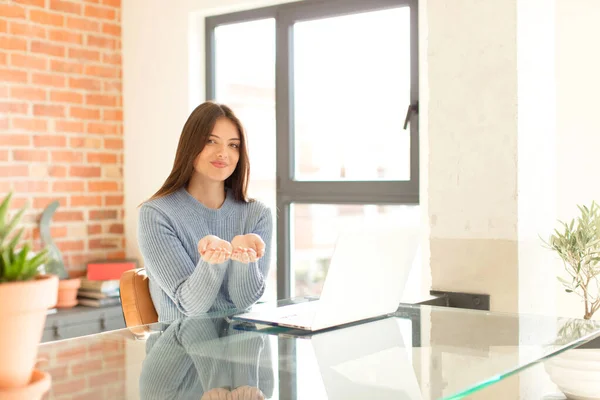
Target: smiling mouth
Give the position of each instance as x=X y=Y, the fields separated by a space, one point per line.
x=219 y=164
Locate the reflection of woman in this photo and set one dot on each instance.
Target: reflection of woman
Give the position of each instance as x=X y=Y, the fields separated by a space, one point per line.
x=206 y=359
x=205 y=244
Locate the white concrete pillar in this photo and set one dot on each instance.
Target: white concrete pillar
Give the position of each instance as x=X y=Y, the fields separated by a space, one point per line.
x=472 y=141
x=491 y=135
x=578 y=125
x=491 y=132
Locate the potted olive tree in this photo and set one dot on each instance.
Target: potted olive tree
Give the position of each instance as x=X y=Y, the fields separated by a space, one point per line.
x=25 y=296
x=578 y=246
x=577 y=243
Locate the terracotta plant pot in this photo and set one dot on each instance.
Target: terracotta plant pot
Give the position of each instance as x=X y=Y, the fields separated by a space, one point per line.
x=39 y=384
x=67 y=292
x=23 y=315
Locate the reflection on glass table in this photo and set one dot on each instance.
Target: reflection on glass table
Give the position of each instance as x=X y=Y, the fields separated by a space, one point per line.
x=206 y=358
x=419 y=352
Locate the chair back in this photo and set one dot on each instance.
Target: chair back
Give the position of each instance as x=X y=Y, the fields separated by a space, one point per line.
x=138 y=308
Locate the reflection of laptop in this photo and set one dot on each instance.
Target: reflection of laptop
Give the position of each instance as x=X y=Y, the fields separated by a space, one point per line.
x=366 y=361
x=366 y=279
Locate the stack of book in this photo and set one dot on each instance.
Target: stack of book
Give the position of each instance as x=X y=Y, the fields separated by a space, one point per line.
x=102 y=293
x=100 y=287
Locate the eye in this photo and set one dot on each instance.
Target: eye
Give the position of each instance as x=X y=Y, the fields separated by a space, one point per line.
x=235 y=145
x=211 y=141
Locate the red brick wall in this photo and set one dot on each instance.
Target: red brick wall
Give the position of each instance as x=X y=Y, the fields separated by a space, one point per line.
x=61 y=132
x=85 y=368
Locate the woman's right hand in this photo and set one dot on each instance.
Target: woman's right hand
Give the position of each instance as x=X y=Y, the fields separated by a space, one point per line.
x=214 y=250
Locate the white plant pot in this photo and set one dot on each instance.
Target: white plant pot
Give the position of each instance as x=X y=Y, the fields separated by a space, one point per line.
x=576 y=372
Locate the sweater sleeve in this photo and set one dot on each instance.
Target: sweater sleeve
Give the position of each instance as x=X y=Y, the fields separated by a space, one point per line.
x=247 y=282
x=193 y=288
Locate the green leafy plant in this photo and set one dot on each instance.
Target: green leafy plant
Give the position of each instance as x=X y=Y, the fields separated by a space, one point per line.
x=578 y=245
x=16 y=265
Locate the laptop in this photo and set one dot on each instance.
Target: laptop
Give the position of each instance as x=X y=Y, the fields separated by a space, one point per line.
x=366 y=279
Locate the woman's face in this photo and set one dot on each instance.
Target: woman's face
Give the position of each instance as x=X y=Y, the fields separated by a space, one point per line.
x=220 y=155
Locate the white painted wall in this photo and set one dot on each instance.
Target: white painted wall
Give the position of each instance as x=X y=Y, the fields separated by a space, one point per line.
x=476 y=206
x=578 y=125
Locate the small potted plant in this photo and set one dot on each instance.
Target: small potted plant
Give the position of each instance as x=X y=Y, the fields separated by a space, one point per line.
x=25 y=297
x=67 y=286
x=578 y=246
x=577 y=243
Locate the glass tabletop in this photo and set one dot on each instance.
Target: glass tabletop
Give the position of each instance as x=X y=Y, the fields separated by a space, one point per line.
x=419 y=352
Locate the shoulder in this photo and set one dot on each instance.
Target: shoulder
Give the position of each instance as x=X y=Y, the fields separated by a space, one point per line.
x=259 y=218
x=256 y=208
x=260 y=214
x=253 y=212
x=158 y=209
x=163 y=204
x=259 y=206
x=155 y=219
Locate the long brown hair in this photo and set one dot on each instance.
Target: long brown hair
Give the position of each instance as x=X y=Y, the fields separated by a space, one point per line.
x=194 y=136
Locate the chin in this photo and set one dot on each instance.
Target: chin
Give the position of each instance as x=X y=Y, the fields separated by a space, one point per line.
x=219 y=177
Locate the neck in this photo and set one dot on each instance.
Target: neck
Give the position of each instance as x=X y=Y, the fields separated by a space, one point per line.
x=209 y=193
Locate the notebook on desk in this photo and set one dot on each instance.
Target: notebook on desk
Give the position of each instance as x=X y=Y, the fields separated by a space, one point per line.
x=366 y=279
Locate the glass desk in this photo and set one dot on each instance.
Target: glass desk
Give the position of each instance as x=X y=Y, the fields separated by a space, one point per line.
x=419 y=352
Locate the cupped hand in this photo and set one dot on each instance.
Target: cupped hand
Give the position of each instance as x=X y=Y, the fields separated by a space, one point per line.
x=251 y=241
x=244 y=255
x=216 y=394
x=214 y=250
x=247 y=393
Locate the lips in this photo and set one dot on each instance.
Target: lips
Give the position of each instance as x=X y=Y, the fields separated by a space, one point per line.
x=219 y=164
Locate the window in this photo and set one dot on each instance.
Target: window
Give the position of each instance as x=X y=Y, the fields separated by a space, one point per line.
x=348 y=92
x=323 y=88
x=245 y=61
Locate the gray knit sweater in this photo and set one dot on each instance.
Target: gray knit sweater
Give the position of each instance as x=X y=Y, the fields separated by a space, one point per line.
x=181 y=283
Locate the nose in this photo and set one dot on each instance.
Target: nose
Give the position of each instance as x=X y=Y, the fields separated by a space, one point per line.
x=222 y=152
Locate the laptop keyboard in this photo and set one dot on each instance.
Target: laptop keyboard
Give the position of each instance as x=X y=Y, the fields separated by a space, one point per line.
x=300 y=308
x=301 y=314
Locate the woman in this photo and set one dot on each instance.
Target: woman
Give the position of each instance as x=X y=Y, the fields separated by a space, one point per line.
x=205 y=245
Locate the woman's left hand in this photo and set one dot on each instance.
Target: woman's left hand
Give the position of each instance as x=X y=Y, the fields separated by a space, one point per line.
x=247 y=248
x=216 y=394
x=247 y=393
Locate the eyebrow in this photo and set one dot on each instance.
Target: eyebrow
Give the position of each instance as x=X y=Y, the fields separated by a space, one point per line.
x=218 y=137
